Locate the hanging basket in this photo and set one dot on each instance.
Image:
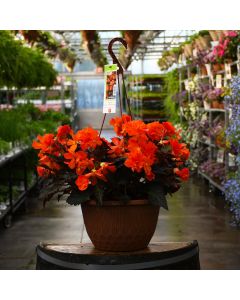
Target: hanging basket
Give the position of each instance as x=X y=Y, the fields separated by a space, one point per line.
x=188 y=48
x=117 y=227
x=214 y=35
x=205 y=42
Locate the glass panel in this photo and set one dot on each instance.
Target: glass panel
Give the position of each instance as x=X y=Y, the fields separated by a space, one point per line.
x=90 y=93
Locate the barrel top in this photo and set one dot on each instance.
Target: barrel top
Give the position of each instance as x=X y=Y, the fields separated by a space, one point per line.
x=85 y=256
x=88 y=248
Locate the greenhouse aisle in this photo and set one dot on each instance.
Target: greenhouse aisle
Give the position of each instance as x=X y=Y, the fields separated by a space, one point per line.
x=194 y=213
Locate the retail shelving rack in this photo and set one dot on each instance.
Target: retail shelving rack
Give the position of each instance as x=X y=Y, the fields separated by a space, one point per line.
x=213 y=148
x=146 y=94
x=14 y=175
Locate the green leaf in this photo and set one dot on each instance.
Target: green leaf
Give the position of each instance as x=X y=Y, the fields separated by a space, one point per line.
x=98 y=192
x=77 y=197
x=156 y=195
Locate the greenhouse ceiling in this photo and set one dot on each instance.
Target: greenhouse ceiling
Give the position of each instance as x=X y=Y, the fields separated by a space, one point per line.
x=143 y=45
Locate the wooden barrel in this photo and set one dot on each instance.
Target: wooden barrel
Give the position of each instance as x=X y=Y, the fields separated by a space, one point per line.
x=157 y=256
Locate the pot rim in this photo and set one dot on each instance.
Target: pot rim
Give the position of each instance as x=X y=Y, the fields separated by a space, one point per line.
x=118 y=203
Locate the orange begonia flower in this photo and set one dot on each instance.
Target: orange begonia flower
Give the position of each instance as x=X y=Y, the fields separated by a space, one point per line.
x=49 y=162
x=45 y=143
x=88 y=138
x=138 y=162
x=183 y=174
x=179 y=150
x=101 y=172
x=42 y=172
x=75 y=158
x=82 y=182
x=171 y=130
x=83 y=165
x=133 y=128
x=73 y=143
x=156 y=131
x=118 y=122
x=141 y=156
x=63 y=133
x=141 y=142
x=117 y=149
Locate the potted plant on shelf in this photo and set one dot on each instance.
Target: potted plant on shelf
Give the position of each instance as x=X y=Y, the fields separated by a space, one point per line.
x=215 y=96
x=121 y=184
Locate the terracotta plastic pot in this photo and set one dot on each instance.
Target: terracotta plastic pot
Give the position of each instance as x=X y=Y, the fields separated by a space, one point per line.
x=215 y=104
x=221 y=105
x=217 y=67
x=117 y=227
x=203 y=70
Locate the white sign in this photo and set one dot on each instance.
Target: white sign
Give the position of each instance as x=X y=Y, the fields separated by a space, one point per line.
x=218 y=81
x=110 y=89
x=220 y=156
x=228 y=71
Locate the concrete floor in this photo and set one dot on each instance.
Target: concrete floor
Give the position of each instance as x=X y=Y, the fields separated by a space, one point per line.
x=194 y=214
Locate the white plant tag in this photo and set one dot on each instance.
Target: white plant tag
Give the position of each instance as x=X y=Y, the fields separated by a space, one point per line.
x=209 y=71
x=186 y=83
x=220 y=156
x=218 y=81
x=228 y=71
x=110 y=89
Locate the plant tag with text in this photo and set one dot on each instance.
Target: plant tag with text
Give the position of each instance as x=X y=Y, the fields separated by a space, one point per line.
x=208 y=68
x=194 y=53
x=220 y=156
x=218 y=81
x=186 y=83
x=228 y=71
x=110 y=89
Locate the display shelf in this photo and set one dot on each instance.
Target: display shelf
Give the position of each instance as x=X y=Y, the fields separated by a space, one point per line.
x=11 y=155
x=4 y=212
x=202 y=109
x=147 y=94
x=211 y=145
x=9 y=164
x=211 y=113
x=211 y=181
x=215 y=110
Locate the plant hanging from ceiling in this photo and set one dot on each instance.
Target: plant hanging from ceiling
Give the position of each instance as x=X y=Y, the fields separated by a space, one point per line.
x=45 y=42
x=22 y=66
x=91 y=43
x=131 y=37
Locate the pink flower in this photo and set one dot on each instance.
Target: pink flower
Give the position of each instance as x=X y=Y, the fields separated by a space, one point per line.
x=232 y=33
x=220 y=49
